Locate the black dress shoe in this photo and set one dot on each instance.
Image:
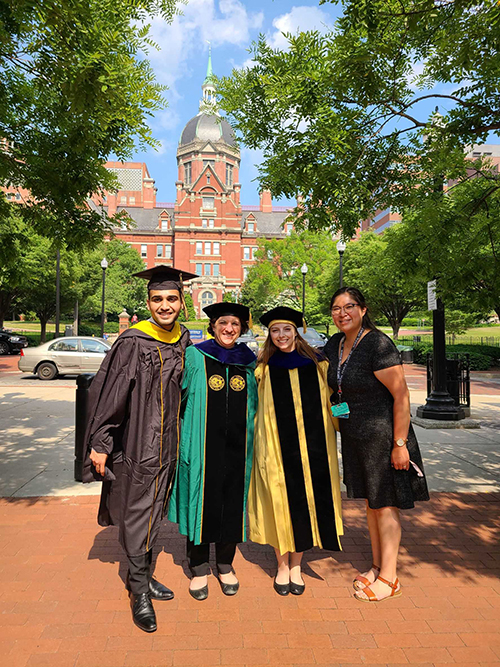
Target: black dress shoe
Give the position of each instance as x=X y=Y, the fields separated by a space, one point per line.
x=229 y=589
x=297 y=589
x=158 y=591
x=281 y=589
x=143 y=612
x=199 y=593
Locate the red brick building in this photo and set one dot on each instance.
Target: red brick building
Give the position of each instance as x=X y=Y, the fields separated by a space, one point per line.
x=206 y=230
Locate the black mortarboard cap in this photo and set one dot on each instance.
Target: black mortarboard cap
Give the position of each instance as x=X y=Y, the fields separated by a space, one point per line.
x=283 y=314
x=217 y=310
x=164 y=277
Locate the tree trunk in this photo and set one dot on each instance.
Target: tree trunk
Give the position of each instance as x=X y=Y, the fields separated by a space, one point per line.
x=43 y=330
x=395 y=330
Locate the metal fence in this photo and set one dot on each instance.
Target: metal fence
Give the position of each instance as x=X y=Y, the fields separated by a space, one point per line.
x=457 y=378
x=494 y=341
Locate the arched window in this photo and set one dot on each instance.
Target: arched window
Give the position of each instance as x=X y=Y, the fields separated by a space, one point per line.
x=207 y=299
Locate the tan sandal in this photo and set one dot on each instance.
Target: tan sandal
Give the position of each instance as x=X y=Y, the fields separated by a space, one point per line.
x=395 y=593
x=360 y=579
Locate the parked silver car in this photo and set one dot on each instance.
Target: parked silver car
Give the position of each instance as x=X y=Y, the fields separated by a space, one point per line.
x=312 y=337
x=64 y=356
x=250 y=339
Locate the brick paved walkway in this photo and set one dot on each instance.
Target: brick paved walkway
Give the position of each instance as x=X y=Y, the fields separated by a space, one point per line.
x=63 y=603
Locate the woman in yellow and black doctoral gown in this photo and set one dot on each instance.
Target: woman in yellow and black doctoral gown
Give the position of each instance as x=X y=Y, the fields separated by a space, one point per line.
x=294 y=499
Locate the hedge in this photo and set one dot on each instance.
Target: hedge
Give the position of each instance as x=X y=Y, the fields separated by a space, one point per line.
x=482 y=357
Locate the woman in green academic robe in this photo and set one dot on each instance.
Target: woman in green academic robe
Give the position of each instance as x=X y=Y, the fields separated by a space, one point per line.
x=219 y=401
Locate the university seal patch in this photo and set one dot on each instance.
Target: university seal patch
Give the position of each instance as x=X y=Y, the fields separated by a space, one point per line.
x=216 y=382
x=237 y=383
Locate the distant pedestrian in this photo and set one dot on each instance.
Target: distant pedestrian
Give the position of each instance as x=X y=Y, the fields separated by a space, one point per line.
x=133 y=432
x=294 y=501
x=380 y=454
x=134 y=319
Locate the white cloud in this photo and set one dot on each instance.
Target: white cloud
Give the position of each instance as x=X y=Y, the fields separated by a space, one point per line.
x=222 y=22
x=298 y=19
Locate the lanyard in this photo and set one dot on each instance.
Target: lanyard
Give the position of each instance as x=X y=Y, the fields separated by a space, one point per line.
x=341 y=367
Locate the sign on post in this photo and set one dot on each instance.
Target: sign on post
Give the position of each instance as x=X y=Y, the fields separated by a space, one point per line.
x=196 y=334
x=431 y=295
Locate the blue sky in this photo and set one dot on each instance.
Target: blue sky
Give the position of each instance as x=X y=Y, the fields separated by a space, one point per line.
x=230 y=26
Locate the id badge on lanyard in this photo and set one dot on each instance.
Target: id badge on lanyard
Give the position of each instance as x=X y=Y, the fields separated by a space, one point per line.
x=341 y=409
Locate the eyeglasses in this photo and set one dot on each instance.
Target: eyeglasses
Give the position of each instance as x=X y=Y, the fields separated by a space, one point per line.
x=347 y=309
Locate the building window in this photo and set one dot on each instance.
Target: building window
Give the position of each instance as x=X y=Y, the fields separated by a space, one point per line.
x=131 y=200
x=144 y=250
x=208 y=248
x=208 y=203
x=199 y=248
x=159 y=251
x=209 y=162
x=245 y=272
x=289 y=228
x=198 y=269
x=164 y=224
x=207 y=299
x=206 y=269
x=204 y=223
x=208 y=179
x=246 y=253
x=187 y=173
x=216 y=248
x=216 y=269
x=9 y=195
x=251 y=227
x=168 y=252
x=229 y=175
x=211 y=224
x=254 y=250
x=123 y=200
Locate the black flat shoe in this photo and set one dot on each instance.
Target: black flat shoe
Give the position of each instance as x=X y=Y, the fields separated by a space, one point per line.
x=143 y=613
x=158 y=591
x=281 y=589
x=297 y=589
x=229 y=589
x=199 y=593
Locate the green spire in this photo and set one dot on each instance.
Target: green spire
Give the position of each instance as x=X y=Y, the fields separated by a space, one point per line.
x=208 y=78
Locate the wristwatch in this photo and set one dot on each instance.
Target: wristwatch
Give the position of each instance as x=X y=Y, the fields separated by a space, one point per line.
x=401 y=442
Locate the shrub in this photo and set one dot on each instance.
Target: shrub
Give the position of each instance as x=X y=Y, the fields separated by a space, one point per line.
x=481 y=357
x=93 y=329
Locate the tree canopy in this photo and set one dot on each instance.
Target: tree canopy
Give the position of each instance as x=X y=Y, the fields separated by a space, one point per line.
x=344 y=118
x=76 y=87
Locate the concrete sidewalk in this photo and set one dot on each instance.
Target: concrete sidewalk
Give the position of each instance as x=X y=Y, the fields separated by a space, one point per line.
x=62 y=596
x=37 y=444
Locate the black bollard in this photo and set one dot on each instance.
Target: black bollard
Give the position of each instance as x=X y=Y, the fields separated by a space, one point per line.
x=83 y=383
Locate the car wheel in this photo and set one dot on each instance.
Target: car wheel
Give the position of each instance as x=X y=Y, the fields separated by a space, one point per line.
x=4 y=348
x=46 y=371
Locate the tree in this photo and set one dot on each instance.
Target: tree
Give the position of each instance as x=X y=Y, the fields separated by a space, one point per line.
x=458 y=322
x=122 y=289
x=277 y=275
x=455 y=238
x=190 y=308
x=13 y=241
x=372 y=265
x=76 y=88
x=38 y=290
x=343 y=118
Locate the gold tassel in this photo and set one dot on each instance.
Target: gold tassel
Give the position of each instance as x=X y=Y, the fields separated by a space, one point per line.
x=183 y=299
x=250 y=321
x=304 y=325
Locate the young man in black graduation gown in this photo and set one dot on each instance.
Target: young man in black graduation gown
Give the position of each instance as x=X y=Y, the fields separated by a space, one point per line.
x=133 y=432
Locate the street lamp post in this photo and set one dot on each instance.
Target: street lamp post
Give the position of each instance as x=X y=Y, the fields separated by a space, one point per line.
x=104 y=266
x=439 y=404
x=303 y=270
x=341 y=246
x=58 y=292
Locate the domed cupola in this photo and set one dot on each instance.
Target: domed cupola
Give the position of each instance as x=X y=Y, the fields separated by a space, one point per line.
x=208 y=126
